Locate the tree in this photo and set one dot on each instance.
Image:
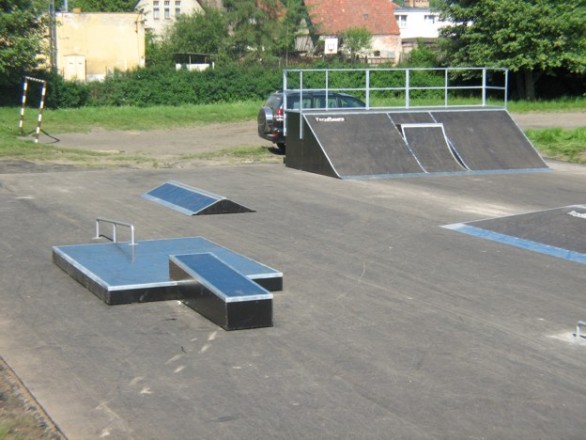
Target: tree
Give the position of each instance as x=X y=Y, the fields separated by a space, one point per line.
x=356 y=39
x=254 y=25
x=199 y=33
x=531 y=37
x=22 y=30
x=103 y=5
x=288 y=28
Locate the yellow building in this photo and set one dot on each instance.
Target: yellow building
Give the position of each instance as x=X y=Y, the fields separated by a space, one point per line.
x=91 y=45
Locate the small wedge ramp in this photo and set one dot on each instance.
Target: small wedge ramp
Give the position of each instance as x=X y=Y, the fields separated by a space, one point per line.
x=192 y=201
x=559 y=232
x=377 y=144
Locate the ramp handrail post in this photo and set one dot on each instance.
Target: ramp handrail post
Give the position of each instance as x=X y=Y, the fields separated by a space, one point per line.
x=484 y=86
x=579 y=328
x=407 y=101
x=114 y=224
x=301 y=105
x=506 y=91
x=367 y=89
x=446 y=86
x=285 y=102
x=327 y=89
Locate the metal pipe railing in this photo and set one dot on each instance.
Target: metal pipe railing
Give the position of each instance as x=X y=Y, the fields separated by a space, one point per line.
x=407 y=89
x=114 y=224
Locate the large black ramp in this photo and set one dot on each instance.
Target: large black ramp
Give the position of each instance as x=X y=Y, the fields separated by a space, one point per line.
x=366 y=144
x=304 y=151
x=489 y=140
x=428 y=142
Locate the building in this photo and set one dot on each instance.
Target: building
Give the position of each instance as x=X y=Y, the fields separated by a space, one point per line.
x=160 y=14
x=417 y=25
x=91 y=45
x=328 y=19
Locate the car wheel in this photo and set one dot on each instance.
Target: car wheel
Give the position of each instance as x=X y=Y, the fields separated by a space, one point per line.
x=265 y=121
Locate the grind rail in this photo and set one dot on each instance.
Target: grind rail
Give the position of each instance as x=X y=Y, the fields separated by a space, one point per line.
x=114 y=224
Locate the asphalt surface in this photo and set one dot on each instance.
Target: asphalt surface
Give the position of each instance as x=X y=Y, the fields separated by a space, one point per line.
x=389 y=326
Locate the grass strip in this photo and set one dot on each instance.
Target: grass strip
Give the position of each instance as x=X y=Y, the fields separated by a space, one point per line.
x=560 y=144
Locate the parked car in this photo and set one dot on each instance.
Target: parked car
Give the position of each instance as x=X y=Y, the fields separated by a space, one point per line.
x=270 y=116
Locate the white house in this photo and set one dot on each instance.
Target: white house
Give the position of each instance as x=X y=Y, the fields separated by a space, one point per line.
x=418 y=24
x=159 y=14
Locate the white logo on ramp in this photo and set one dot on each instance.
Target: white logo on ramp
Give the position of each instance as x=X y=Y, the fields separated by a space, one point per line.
x=330 y=119
x=577 y=214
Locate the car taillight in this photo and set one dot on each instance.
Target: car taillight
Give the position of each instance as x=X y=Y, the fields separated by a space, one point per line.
x=279 y=115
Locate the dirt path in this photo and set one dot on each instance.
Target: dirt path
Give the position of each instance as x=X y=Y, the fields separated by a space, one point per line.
x=177 y=141
x=567 y=120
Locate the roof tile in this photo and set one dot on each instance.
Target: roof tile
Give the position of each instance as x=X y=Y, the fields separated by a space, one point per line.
x=336 y=16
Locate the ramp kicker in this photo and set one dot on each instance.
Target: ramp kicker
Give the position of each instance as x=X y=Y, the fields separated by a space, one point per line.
x=192 y=201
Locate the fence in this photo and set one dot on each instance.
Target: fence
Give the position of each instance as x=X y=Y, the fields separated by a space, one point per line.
x=407 y=87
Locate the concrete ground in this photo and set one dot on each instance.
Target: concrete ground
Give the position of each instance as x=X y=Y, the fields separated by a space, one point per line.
x=389 y=326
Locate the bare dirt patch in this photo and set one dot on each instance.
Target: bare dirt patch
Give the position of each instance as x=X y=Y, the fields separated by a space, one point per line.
x=537 y=120
x=21 y=417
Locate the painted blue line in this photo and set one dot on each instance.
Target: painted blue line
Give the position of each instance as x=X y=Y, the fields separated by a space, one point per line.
x=534 y=246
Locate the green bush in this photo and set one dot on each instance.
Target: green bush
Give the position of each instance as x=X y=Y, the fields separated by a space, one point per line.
x=66 y=94
x=164 y=86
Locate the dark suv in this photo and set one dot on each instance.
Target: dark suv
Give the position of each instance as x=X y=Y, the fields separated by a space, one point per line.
x=270 y=116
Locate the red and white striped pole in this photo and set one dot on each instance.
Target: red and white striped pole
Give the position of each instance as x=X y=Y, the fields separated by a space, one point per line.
x=24 y=90
x=41 y=105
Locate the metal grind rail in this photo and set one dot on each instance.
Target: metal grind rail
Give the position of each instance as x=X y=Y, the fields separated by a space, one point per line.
x=115 y=224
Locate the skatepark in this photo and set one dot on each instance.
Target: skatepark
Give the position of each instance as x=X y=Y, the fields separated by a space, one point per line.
x=401 y=313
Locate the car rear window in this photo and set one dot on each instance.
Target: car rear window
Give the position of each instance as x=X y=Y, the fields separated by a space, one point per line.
x=274 y=101
x=350 y=102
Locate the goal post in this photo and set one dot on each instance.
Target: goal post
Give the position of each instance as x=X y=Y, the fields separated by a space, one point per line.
x=25 y=87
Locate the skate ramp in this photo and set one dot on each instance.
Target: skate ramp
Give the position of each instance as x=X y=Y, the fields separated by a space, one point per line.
x=370 y=144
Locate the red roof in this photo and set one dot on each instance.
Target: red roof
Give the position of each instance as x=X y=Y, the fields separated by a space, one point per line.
x=331 y=17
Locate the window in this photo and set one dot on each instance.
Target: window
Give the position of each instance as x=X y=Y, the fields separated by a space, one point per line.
x=429 y=19
x=402 y=20
x=156 y=13
x=177 y=8
x=167 y=14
